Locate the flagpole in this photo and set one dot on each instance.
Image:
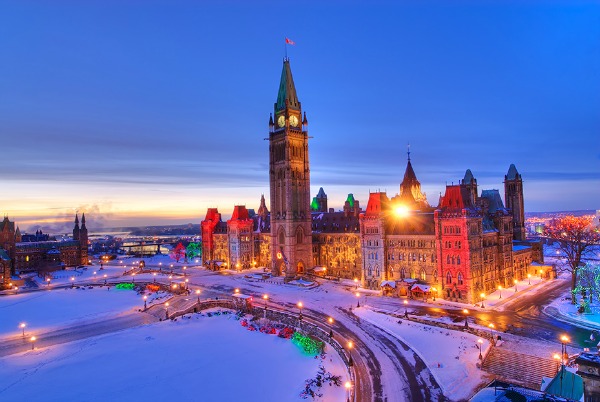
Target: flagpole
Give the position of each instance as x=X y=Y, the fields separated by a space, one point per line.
x=285 y=45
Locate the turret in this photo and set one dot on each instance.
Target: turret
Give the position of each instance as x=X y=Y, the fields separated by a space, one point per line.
x=513 y=197
x=76 y=230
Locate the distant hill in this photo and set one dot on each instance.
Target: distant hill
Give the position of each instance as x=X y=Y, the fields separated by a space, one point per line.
x=559 y=213
x=189 y=229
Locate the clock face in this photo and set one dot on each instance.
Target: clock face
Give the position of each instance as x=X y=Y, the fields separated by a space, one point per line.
x=294 y=121
x=281 y=121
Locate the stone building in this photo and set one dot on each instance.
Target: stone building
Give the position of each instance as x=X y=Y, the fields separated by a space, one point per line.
x=469 y=244
x=40 y=253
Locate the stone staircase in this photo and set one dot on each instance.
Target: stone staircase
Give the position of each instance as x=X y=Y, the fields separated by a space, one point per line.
x=518 y=368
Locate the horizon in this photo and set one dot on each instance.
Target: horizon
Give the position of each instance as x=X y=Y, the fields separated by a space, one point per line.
x=150 y=115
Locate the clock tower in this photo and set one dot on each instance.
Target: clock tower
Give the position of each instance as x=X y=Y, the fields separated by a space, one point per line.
x=289 y=177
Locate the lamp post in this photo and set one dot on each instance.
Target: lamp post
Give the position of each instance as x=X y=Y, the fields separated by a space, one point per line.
x=198 y=295
x=22 y=326
x=482 y=299
x=154 y=275
x=557 y=358
x=479 y=345
x=187 y=281
x=434 y=291
x=167 y=310
x=355 y=283
x=500 y=290
x=300 y=307
x=492 y=326
x=466 y=313
x=32 y=339
x=516 y=282
x=145 y=305
x=104 y=279
x=48 y=282
x=563 y=341
x=184 y=271
x=405 y=308
x=72 y=282
x=357 y=299
x=236 y=291
x=350 y=346
x=529 y=278
x=348 y=386
x=330 y=320
x=265 y=298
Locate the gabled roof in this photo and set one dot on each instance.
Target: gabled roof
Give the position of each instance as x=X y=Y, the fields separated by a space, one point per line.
x=321 y=193
x=566 y=384
x=378 y=203
x=456 y=197
x=239 y=213
x=287 y=89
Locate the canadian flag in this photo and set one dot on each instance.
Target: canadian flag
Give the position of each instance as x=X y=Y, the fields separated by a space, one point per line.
x=289 y=41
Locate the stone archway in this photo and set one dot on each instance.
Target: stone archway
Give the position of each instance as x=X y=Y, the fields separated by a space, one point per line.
x=300 y=268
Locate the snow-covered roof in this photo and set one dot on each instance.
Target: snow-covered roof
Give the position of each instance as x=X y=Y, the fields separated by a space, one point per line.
x=242 y=296
x=519 y=248
x=422 y=288
x=388 y=283
x=409 y=280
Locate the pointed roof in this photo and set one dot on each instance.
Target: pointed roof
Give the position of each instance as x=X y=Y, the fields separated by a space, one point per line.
x=495 y=201
x=512 y=173
x=378 y=203
x=262 y=209
x=409 y=176
x=468 y=177
x=321 y=193
x=287 y=89
x=239 y=213
x=83 y=220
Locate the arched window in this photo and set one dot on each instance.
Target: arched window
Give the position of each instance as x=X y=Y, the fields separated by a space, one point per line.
x=448 y=278
x=448 y=260
x=299 y=236
x=281 y=237
x=423 y=275
x=403 y=273
x=459 y=278
x=413 y=274
x=458 y=260
x=435 y=278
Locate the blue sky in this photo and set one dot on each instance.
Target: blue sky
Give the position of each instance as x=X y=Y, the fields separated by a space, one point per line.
x=148 y=112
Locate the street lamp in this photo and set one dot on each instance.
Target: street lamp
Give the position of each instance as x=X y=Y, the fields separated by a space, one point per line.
x=500 y=290
x=348 y=386
x=350 y=346
x=72 y=282
x=198 y=294
x=357 y=299
x=405 y=308
x=145 y=305
x=105 y=279
x=434 y=291
x=32 y=339
x=466 y=313
x=22 y=326
x=236 y=291
x=154 y=274
x=529 y=278
x=563 y=341
x=479 y=345
x=557 y=358
x=167 y=310
x=265 y=298
x=492 y=326
x=48 y=282
x=516 y=281
x=482 y=299
x=300 y=307
x=330 y=320
x=184 y=271
x=356 y=283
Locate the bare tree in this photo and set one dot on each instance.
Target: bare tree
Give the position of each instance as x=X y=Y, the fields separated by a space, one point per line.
x=575 y=236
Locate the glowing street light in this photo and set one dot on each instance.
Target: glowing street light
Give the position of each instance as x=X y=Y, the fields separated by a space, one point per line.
x=198 y=294
x=405 y=308
x=563 y=341
x=492 y=326
x=300 y=305
x=48 y=282
x=500 y=290
x=357 y=299
x=22 y=326
x=236 y=291
x=145 y=298
x=480 y=346
x=167 y=310
x=466 y=313
x=265 y=298
x=482 y=299
x=516 y=282
x=348 y=386
x=330 y=320
x=557 y=358
x=32 y=339
x=434 y=291
x=105 y=279
x=350 y=346
x=356 y=283
x=72 y=282
x=154 y=275
x=529 y=278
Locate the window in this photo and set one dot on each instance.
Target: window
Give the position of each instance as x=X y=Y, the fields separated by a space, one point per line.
x=448 y=278
x=458 y=260
x=435 y=278
x=299 y=236
x=423 y=275
x=459 y=278
x=448 y=259
x=403 y=273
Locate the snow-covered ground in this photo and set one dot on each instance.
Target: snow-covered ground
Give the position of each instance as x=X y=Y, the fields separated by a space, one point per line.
x=450 y=355
x=195 y=359
x=57 y=307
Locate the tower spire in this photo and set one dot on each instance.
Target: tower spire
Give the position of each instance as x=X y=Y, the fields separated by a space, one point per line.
x=286 y=97
x=408 y=150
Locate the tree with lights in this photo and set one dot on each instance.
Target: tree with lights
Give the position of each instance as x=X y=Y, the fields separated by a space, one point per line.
x=193 y=250
x=178 y=252
x=576 y=235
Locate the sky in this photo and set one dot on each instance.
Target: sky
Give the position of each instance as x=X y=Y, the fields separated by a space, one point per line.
x=149 y=112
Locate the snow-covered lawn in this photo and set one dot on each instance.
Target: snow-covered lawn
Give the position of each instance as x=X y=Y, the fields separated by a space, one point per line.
x=193 y=359
x=49 y=308
x=450 y=355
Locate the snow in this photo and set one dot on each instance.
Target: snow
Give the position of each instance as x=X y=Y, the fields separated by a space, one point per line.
x=50 y=308
x=195 y=358
x=452 y=363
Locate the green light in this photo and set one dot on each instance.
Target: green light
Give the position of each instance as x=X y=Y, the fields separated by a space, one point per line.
x=350 y=200
x=308 y=345
x=314 y=205
x=194 y=250
x=125 y=286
